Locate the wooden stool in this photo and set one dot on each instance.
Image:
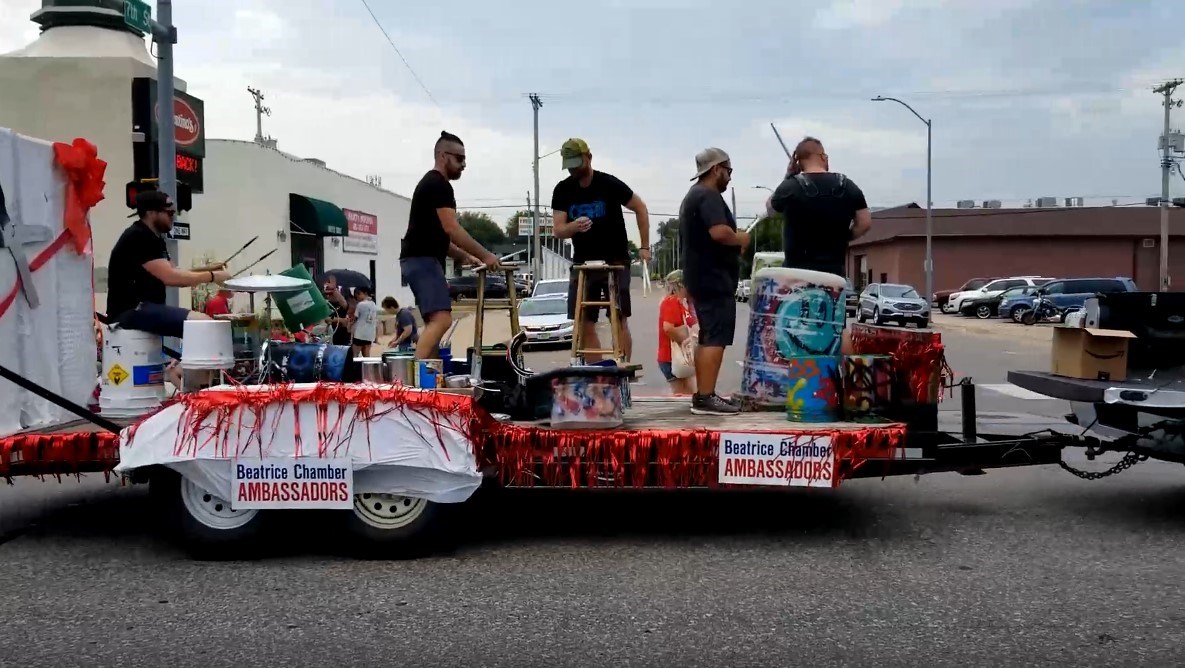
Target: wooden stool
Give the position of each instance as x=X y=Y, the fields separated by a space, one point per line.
x=508 y=304
x=578 y=344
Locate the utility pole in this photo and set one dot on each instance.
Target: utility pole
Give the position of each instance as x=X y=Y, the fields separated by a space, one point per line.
x=1166 y=168
x=260 y=112
x=537 y=267
x=534 y=224
x=165 y=36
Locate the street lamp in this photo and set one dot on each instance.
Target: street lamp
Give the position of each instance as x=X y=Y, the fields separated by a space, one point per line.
x=929 y=199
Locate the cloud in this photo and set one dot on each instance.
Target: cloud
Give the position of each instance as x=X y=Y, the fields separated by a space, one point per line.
x=652 y=82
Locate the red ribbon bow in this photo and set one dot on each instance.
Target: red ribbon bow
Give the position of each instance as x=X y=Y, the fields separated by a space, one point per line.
x=84 y=186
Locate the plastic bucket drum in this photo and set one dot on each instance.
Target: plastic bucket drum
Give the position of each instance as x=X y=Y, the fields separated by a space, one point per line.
x=867 y=384
x=207 y=344
x=795 y=313
x=587 y=402
x=133 y=380
x=304 y=308
x=813 y=395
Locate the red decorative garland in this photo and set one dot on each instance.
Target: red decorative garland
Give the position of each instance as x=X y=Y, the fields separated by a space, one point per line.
x=84 y=186
x=918 y=355
x=525 y=456
x=58 y=454
x=528 y=456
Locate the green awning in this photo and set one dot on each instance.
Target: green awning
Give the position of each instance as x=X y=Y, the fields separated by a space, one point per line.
x=316 y=216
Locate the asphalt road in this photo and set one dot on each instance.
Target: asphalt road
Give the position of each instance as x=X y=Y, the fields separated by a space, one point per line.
x=1019 y=567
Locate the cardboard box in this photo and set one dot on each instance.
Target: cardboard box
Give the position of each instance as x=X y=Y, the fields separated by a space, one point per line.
x=1090 y=353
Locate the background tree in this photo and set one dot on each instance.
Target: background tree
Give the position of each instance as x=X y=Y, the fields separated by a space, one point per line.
x=482 y=228
x=767 y=238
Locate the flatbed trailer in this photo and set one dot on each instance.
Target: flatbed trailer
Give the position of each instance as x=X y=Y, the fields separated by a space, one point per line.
x=661 y=446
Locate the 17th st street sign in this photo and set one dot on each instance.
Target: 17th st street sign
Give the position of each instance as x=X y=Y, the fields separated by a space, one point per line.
x=138 y=15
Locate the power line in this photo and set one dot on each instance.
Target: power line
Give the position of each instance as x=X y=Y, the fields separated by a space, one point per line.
x=399 y=53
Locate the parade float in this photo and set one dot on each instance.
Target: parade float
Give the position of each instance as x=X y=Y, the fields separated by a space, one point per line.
x=264 y=424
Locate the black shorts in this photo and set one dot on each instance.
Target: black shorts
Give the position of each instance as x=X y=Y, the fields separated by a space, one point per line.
x=596 y=289
x=362 y=343
x=160 y=319
x=428 y=284
x=717 y=320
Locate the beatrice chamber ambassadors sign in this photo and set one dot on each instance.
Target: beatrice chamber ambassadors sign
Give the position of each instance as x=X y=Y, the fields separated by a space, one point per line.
x=362 y=233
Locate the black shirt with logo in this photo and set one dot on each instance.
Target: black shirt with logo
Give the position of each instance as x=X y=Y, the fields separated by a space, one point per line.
x=601 y=203
x=710 y=269
x=818 y=209
x=425 y=233
x=128 y=282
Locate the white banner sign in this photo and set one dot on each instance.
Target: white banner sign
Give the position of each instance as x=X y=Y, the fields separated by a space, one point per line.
x=362 y=233
x=776 y=461
x=525 y=228
x=283 y=482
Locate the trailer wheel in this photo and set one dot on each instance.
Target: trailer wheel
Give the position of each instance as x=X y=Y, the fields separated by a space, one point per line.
x=203 y=523
x=387 y=526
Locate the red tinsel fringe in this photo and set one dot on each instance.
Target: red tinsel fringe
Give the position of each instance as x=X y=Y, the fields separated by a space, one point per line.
x=918 y=356
x=224 y=410
x=529 y=456
x=72 y=453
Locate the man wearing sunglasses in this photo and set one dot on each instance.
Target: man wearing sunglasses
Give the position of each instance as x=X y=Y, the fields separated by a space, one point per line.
x=139 y=270
x=434 y=233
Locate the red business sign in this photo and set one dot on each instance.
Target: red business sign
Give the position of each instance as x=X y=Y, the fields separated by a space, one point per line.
x=362 y=233
x=186 y=123
x=361 y=223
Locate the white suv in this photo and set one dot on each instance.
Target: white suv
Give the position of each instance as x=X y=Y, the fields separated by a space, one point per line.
x=993 y=289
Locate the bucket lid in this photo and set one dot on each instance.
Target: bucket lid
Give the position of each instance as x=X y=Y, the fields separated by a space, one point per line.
x=268 y=283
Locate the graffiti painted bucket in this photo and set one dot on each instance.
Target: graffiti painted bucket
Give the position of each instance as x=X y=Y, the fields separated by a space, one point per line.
x=867 y=384
x=813 y=392
x=794 y=313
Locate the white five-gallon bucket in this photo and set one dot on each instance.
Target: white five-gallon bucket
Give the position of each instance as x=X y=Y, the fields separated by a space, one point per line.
x=133 y=381
x=207 y=344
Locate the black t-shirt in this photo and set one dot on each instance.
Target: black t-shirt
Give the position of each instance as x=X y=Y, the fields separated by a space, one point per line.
x=341 y=335
x=425 y=234
x=818 y=209
x=710 y=268
x=601 y=203
x=128 y=283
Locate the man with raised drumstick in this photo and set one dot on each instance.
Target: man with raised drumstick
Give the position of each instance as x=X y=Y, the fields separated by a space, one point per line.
x=139 y=270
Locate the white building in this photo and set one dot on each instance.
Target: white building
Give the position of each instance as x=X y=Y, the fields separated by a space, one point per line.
x=75 y=80
x=299 y=207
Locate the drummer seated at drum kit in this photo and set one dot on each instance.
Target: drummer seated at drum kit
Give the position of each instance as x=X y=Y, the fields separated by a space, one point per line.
x=140 y=269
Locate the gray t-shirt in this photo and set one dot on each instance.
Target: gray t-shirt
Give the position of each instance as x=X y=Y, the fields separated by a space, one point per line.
x=366 y=325
x=710 y=269
x=404 y=320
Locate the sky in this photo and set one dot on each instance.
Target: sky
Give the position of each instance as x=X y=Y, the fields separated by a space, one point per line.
x=1028 y=98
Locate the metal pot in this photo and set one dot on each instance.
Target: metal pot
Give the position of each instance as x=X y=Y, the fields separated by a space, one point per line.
x=372 y=370
x=456 y=381
x=399 y=368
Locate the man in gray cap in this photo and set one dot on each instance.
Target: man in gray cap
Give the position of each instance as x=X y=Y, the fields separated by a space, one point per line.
x=712 y=247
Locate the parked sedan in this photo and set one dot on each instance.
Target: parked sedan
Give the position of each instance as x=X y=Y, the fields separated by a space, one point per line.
x=955 y=305
x=545 y=319
x=884 y=302
x=989 y=307
x=939 y=299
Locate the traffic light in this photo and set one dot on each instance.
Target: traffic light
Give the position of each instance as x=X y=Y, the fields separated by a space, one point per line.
x=184 y=194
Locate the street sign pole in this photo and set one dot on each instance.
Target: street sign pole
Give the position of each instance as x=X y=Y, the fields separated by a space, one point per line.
x=138 y=15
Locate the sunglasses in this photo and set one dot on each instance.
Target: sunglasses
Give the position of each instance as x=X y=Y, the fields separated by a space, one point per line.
x=459 y=156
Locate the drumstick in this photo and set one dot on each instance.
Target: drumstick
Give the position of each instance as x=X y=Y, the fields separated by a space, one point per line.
x=265 y=256
x=779 y=136
x=236 y=253
x=216 y=267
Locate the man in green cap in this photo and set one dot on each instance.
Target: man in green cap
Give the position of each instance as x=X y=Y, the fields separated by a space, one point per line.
x=586 y=208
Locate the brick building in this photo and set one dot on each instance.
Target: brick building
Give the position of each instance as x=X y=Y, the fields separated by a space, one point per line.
x=1057 y=242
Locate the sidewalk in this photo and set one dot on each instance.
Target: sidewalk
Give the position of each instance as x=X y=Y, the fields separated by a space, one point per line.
x=496 y=329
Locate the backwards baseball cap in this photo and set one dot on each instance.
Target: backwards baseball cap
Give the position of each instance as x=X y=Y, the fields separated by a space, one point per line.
x=707 y=159
x=573 y=152
x=150 y=200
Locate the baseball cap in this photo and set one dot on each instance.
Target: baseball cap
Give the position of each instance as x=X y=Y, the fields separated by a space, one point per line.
x=573 y=152
x=707 y=159
x=675 y=276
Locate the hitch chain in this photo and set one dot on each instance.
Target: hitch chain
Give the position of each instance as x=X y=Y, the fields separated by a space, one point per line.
x=1129 y=460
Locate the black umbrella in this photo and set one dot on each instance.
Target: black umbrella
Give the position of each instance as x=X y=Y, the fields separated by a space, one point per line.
x=348 y=278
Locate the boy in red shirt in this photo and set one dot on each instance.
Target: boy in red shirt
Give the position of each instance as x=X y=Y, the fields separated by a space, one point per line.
x=675 y=323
